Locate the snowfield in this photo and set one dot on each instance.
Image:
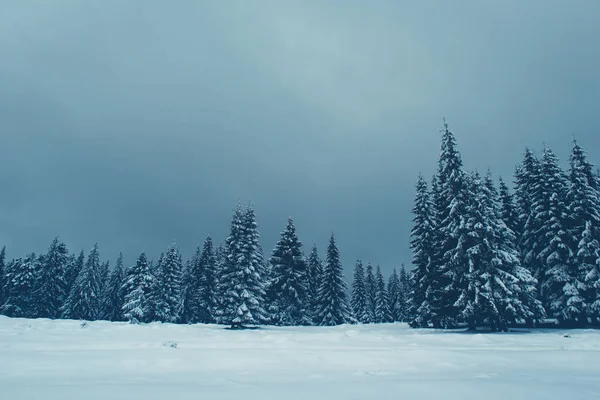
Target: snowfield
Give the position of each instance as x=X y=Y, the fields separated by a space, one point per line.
x=61 y=360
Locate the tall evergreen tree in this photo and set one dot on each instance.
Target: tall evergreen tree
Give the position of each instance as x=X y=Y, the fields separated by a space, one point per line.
x=169 y=301
x=154 y=291
x=243 y=286
x=527 y=183
x=208 y=283
x=560 y=277
x=508 y=210
x=84 y=301
x=3 y=273
x=74 y=267
x=583 y=202
x=104 y=276
x=497 y=284
x=426 y=278
x=382 y=310
x=137 y=287
x=315 y=274
x=371 y=292
x=21 y=275
x=451 y=236
x=394 y=297
x=588 y=256
x=405 y=290
x=51 y=287
x=359 y=294
x=332 y=305
x=114 y=296
x=288 y=288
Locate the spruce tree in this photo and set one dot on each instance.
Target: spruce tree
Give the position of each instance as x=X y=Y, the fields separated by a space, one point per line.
x=136 y=287
x=583 y=202
x=450 y=257
x=424 y=298
x=104 y=276
x=84 y=301
x=169 y=301
x=508 y=210
x=114 y=296
x=498 y=287
x=359 y=294
x=242 y=284
x=74 y=267
x=371 y=292
x=50 y=292
x=315 y=274
x=220 y=262
x=394 y=294
x=207 y=300
x=154 y=290
x=187 y=295
x=403 y=295
x=382 y=310
x=560 y=277
x=527 y=184
x=2 y=275
x=288 y=288
x=21 y=275
x=332 y=307
x=588 y=256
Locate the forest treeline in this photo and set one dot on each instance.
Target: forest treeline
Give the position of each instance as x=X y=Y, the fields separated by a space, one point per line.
x=482 y=255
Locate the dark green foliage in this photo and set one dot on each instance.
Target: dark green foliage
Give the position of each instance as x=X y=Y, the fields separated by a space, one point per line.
x=332 y=308
x=288 y=287
x=51 y=288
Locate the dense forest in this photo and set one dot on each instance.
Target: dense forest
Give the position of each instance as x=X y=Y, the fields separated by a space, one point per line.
x=483 y=255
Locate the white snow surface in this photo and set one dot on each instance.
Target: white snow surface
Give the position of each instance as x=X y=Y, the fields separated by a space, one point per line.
x=47 y=360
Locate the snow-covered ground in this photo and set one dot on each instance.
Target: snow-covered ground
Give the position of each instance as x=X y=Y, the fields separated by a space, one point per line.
x=47 y=360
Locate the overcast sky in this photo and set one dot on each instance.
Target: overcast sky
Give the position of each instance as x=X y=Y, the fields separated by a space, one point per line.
x=133 y=123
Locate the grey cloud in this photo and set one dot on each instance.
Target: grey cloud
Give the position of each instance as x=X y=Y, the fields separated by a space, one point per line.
x=134 y=123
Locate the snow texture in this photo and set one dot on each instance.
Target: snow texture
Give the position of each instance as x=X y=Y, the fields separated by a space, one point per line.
x=63 y=360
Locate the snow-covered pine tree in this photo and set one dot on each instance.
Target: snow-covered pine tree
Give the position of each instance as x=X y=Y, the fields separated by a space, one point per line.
x=207 y=284
x=315 y=274
x=499 y=290
x=394 y=293
x=403 y=294
x=84 y=301
x=287 y=290
x=2 y=274
x=451 y=207
x=21 y=275
x=136 y=287
x=50 y=292
x=332 y=306
x=527 y=184
x=242 y=284
x=371 y=292
x=114 y=296
x=74 y=267
x=561 y=278
x=588 y=256
x=154 y=294
x=583 y=202
x=508 y=210
x=359 y=294
x=382 y=309
x=426 y=278
x=104 y=276
x=169 y=301
x=187 y=294
x=221 y=286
